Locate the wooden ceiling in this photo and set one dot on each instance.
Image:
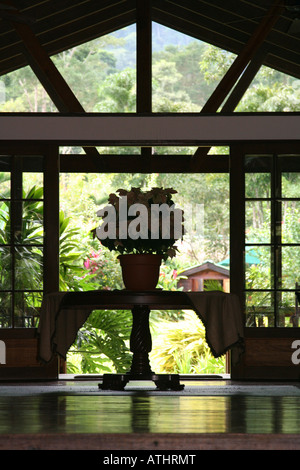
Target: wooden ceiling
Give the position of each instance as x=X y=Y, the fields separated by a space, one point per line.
x=61 y=24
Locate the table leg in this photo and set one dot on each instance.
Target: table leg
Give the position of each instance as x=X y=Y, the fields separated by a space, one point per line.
x=140 y=342
x=140 y=346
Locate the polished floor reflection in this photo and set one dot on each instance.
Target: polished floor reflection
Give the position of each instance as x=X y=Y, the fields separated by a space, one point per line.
x=73 y=414
x=211 y=408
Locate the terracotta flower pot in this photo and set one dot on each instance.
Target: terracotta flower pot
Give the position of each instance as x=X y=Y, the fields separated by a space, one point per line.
x=140 y=272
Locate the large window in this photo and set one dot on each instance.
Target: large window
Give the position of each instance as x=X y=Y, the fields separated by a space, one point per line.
x=272 y=240
x=21 y=240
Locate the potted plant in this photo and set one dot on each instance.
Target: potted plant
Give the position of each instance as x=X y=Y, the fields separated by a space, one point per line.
x=143 y=227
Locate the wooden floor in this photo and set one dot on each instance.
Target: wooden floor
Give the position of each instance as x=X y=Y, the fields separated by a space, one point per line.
x=207 y=414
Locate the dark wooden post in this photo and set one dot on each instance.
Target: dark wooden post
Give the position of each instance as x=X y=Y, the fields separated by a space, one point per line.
x=51 y=220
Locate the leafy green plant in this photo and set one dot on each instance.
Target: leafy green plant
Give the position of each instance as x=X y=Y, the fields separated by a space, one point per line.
x=103 y=342
x=21 y=253
x=180 y=344
x=71 y=253
x=103 y=269
x=153 y=240
x=181 y=347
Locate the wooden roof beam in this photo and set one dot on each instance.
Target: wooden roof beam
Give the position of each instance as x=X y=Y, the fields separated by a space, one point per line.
x=239 y=90
x=240 y=63
x=144 y=66
x=49 y=76
x=244 y=81
x=149 y=130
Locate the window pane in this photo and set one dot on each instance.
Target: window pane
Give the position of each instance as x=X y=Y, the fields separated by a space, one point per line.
x=5 y=310
x=257 y=224
x=4 y=185
x=257 y=185
x=31 y=226
x=32 y=179
x=5 y=228
x=28 y=268
x=26 y=308
x=290 y=184
x=258 y=268
x=290 y=222
x=290 y=266
x=5 y=271
x=287 y=309
x=259 y=309
x=258 y=163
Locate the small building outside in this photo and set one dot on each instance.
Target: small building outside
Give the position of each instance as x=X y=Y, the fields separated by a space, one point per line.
x=197 y=277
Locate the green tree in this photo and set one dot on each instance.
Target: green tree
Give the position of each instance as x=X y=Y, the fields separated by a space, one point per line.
x=117 y=93
x=208 y=193
x=214 y=63
x=83 y=67
x=190 y=80
x=24 y=93
x=270 y=90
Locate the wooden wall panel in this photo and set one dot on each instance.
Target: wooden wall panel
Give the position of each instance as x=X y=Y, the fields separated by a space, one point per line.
x=20 y=347
x=269 y=352
x=267 y=358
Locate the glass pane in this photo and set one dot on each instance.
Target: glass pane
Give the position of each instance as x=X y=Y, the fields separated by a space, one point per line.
x=258 y=163
x=31 y=230
x=290 y=266
x=257 y=223
x=28 y=268
x=5 y=310
x=259 y=309
x=290 y=183
x=290 y=222
x=26 y=308
x=258 y=268
x=5 y=271
x=5 y=228
x=287 y=314
x=4 y=185
x=257 y=185
x=33 y=185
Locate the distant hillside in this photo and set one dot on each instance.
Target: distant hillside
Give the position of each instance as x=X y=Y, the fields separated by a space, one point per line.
x=162 y=37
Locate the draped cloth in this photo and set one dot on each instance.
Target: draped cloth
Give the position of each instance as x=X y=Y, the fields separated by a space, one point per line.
x=220 y=313
x=58 y=327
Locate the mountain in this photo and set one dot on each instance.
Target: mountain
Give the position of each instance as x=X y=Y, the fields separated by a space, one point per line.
x=161 y=37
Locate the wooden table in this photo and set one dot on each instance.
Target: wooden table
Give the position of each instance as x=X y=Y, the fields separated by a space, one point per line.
x=140 y=304
x=64 y=313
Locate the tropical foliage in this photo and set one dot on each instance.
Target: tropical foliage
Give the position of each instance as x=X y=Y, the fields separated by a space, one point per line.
x=22 y=246
x=102 y=344
x=181 y=348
